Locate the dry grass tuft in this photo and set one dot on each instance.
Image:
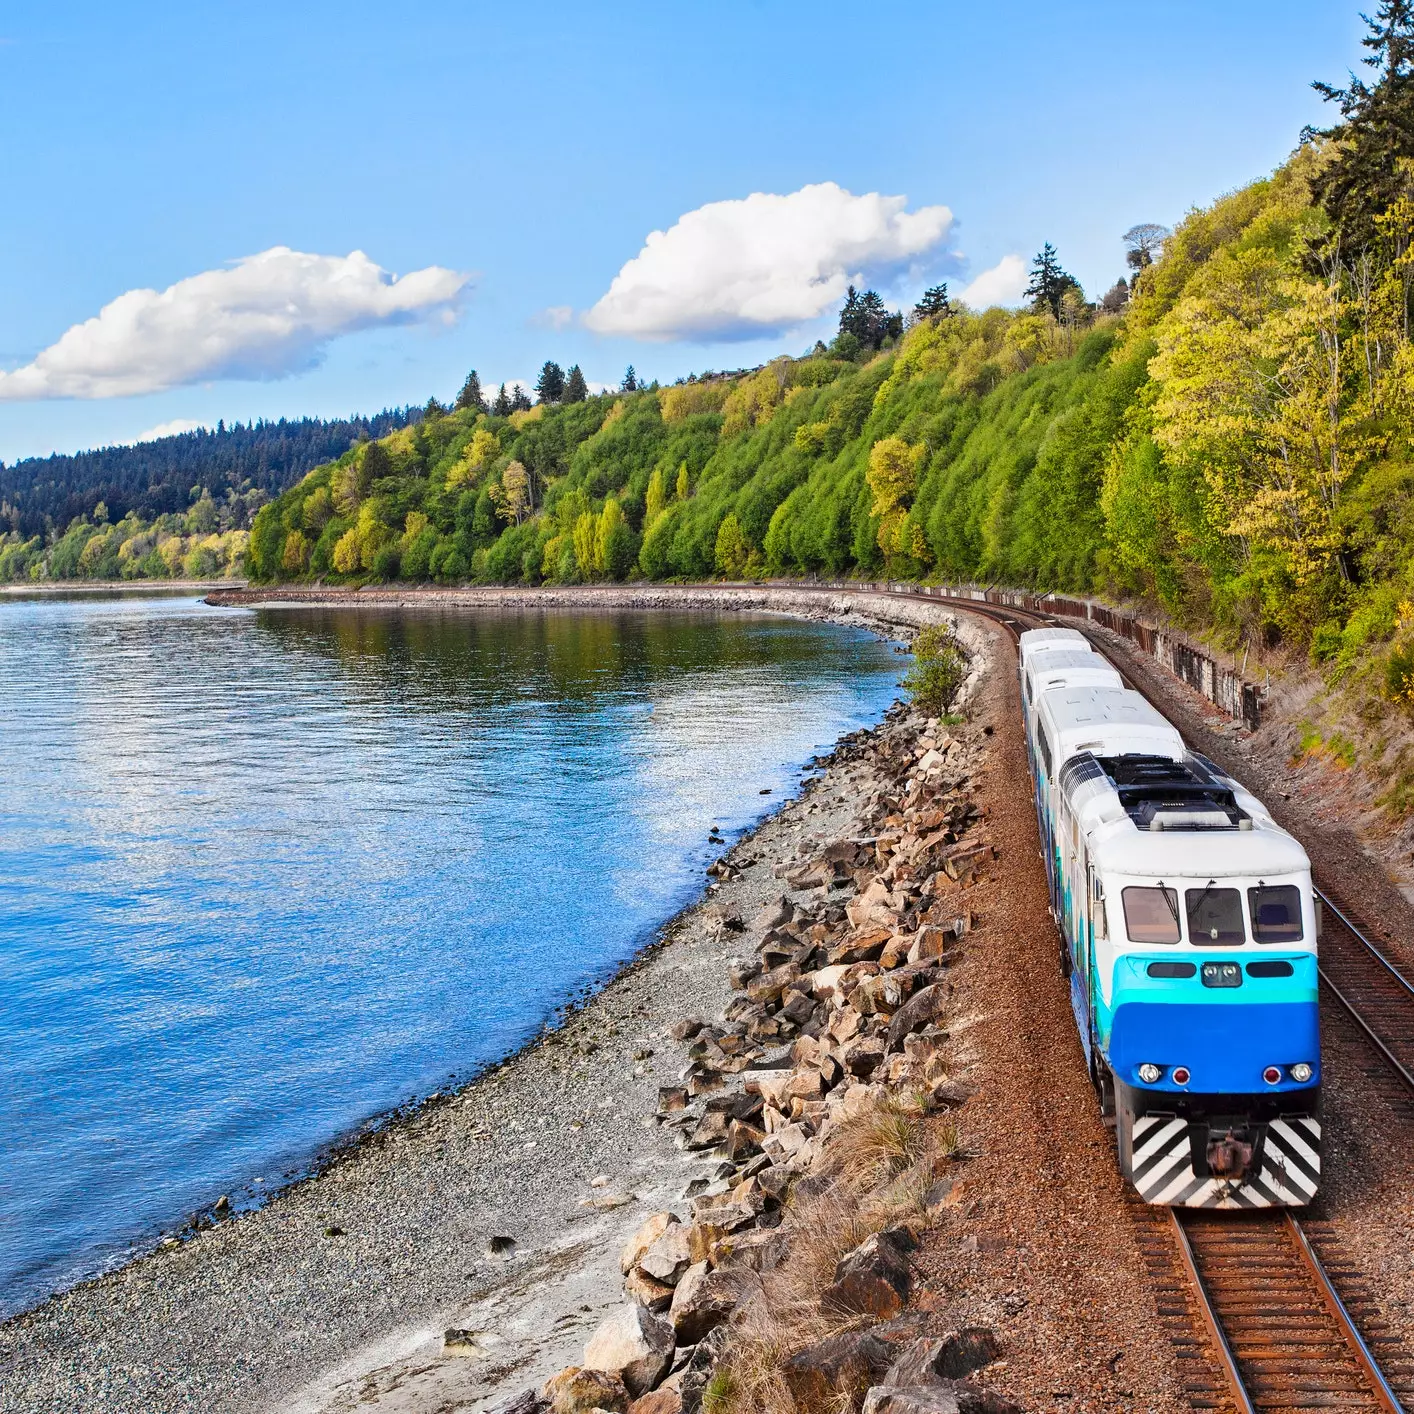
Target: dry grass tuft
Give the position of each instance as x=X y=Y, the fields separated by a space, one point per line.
x=883 y=1164
x=878 y=1145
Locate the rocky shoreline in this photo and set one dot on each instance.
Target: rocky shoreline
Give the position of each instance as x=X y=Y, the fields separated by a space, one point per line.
x=230 y=1318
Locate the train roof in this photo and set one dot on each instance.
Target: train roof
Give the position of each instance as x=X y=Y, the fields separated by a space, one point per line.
x=1049 y=677
x=1034 y=638
x=1153 y=815
x=1106 y=721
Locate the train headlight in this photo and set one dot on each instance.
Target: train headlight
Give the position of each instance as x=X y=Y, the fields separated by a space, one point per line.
x=1150 y=1073
x=1301 y=1072
x=1272 y=1074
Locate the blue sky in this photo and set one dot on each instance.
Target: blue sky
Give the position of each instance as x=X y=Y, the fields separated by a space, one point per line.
x=519 y=156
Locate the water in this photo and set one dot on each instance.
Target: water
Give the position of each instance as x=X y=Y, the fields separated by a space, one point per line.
x=264 y=876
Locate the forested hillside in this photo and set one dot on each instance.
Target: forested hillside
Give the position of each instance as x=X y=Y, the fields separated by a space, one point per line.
x=1230 y=439
x=192 y=484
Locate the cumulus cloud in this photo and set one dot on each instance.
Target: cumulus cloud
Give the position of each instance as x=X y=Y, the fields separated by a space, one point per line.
x=765 y=264
x=1003 y=284
x=175 y=428
x=265 y=316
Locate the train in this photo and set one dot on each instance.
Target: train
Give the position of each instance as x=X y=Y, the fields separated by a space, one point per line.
x=1189 y=935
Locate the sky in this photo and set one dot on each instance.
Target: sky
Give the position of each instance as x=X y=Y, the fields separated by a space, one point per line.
x=234 y=211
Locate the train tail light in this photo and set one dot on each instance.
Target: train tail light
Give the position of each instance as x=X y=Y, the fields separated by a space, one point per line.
x=1272 y=1074
x=1181 y=1075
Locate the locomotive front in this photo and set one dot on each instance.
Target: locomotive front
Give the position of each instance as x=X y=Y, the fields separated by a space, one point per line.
x=1202 y=970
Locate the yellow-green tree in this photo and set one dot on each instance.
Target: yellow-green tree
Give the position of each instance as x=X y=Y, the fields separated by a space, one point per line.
x=733 y=548
x=656 y=498
x=893 y=478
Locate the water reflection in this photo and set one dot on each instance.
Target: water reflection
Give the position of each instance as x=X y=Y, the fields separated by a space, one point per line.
x=265 y=875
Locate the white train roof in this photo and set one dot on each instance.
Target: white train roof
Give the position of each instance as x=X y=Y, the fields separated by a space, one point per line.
x=1033 y=638
x=1106 y=721
x=1064 y=665
x=1179 y=818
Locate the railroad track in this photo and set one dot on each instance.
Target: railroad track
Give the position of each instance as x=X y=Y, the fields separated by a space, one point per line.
x=1285 y=1331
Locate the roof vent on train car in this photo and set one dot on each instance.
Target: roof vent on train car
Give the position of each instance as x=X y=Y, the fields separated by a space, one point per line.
x=1160 y=794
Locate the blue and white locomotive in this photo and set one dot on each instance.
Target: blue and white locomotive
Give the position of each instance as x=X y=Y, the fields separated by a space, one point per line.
x=1188 y=929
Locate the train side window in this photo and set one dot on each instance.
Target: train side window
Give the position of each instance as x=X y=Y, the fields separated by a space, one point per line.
x=1027 y=681
x=1150 y=914
x=1276 y=913
x=1045 y=752
x=1215 y=917
x=1173 y=969
x=1270 y=967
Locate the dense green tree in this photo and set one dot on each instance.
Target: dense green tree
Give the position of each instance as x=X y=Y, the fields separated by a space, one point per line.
x=520 y=399
x=550 y=386
x=865 y=318
x=933 y=303
x=470 y=396
x=630 y=383
x=1375 y=139
x=501 y=406
x=576 y=390
x=1049 y=283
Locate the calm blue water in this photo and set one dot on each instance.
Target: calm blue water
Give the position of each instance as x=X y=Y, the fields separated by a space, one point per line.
x=266 y=875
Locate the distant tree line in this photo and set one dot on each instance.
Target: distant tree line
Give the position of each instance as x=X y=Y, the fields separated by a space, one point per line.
x=163 y=477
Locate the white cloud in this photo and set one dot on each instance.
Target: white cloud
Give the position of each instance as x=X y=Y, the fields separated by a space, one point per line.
x=556 y=316
x=175 y=428
x=264 y=316
x=1003 y=284
x=765 y=264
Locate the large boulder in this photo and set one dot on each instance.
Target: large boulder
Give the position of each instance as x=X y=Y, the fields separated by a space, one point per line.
x=704 y=1299
x=948 y=1397
x=668 y=1256
x=652 y=1228
x=954 y=1355
x=874 y=1278
x=661 y=1401
x=847 y=1363
x=633 y=1344
x=577 y=1391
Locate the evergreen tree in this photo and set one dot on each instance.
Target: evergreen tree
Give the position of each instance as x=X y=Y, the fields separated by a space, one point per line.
x=864 y=317
x=932 y=304
x=576 y=389
x=1049 y=282
x=520 y=400
x=550 y=386
x=1367 y=173
x=502 y=407
x=470 y=395
x=630 y=383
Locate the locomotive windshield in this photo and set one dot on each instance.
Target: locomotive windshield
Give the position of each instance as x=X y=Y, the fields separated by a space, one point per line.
x=1215 y=917
x=1276 y=913
x=1150 y=914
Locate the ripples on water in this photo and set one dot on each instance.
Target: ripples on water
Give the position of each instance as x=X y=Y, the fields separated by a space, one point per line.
x=266 y=875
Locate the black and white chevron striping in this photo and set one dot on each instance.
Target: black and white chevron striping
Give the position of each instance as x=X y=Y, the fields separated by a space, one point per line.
x=1162 y=1166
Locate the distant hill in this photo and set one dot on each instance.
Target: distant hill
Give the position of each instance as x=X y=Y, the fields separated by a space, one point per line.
x=158 y=478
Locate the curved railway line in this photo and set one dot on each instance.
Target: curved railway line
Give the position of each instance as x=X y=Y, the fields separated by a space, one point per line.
x=1251 y=1294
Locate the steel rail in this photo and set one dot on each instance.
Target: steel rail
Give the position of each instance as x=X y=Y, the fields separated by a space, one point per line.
x=1380 y=1385
x=1231 y=1372
x=1359 y=935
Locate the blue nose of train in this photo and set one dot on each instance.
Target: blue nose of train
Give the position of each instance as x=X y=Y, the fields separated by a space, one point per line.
x=1222 y=1030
